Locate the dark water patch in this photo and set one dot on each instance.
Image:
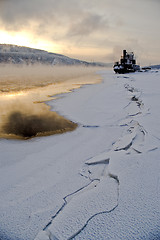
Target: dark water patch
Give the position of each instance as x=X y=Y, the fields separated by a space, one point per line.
x=25 y=126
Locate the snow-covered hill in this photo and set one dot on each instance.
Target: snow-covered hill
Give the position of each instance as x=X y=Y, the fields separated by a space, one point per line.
x=16 y=54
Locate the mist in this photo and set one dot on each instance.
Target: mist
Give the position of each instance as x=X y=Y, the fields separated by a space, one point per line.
x=24 y=92
x=22 y=77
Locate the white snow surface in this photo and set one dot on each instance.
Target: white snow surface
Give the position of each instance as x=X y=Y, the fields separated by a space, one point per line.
x=101 y=181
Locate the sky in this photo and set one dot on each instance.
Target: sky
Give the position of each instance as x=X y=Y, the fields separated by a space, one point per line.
x=91 y=30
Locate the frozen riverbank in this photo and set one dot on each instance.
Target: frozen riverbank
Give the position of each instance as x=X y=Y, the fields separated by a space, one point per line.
x=100 y=181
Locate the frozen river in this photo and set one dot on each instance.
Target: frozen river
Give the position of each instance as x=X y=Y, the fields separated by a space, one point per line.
x=100 y=181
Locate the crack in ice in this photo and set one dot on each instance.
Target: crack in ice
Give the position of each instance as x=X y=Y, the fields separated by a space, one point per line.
x=115 y=177
x=65 y=203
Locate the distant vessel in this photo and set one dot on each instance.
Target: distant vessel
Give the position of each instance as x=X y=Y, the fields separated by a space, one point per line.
x=126 y=64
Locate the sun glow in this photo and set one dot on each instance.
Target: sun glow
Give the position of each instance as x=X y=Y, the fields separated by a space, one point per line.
x=25 y=39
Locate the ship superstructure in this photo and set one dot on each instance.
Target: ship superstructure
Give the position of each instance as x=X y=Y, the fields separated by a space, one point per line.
x=126 y=64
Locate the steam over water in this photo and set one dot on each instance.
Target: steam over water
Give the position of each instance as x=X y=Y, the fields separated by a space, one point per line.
x=23 y=90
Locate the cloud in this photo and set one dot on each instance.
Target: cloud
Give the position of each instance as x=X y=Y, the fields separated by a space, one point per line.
x=70 y=18
x=18 y=14
x=50 y=18
x=84 y=24
x=115 y=54
x=88 y=24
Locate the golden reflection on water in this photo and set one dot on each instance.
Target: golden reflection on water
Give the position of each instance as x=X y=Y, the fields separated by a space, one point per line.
x=14 y=94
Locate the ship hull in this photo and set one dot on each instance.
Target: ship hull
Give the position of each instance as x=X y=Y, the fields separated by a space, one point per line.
x=123 y=70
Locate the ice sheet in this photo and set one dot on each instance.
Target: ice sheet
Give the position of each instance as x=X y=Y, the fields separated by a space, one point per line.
x=100 y=181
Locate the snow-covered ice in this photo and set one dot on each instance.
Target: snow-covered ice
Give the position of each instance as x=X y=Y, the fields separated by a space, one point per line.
x=101 y=181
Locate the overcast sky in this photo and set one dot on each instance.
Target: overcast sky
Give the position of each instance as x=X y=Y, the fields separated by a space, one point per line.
x=93 y=30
